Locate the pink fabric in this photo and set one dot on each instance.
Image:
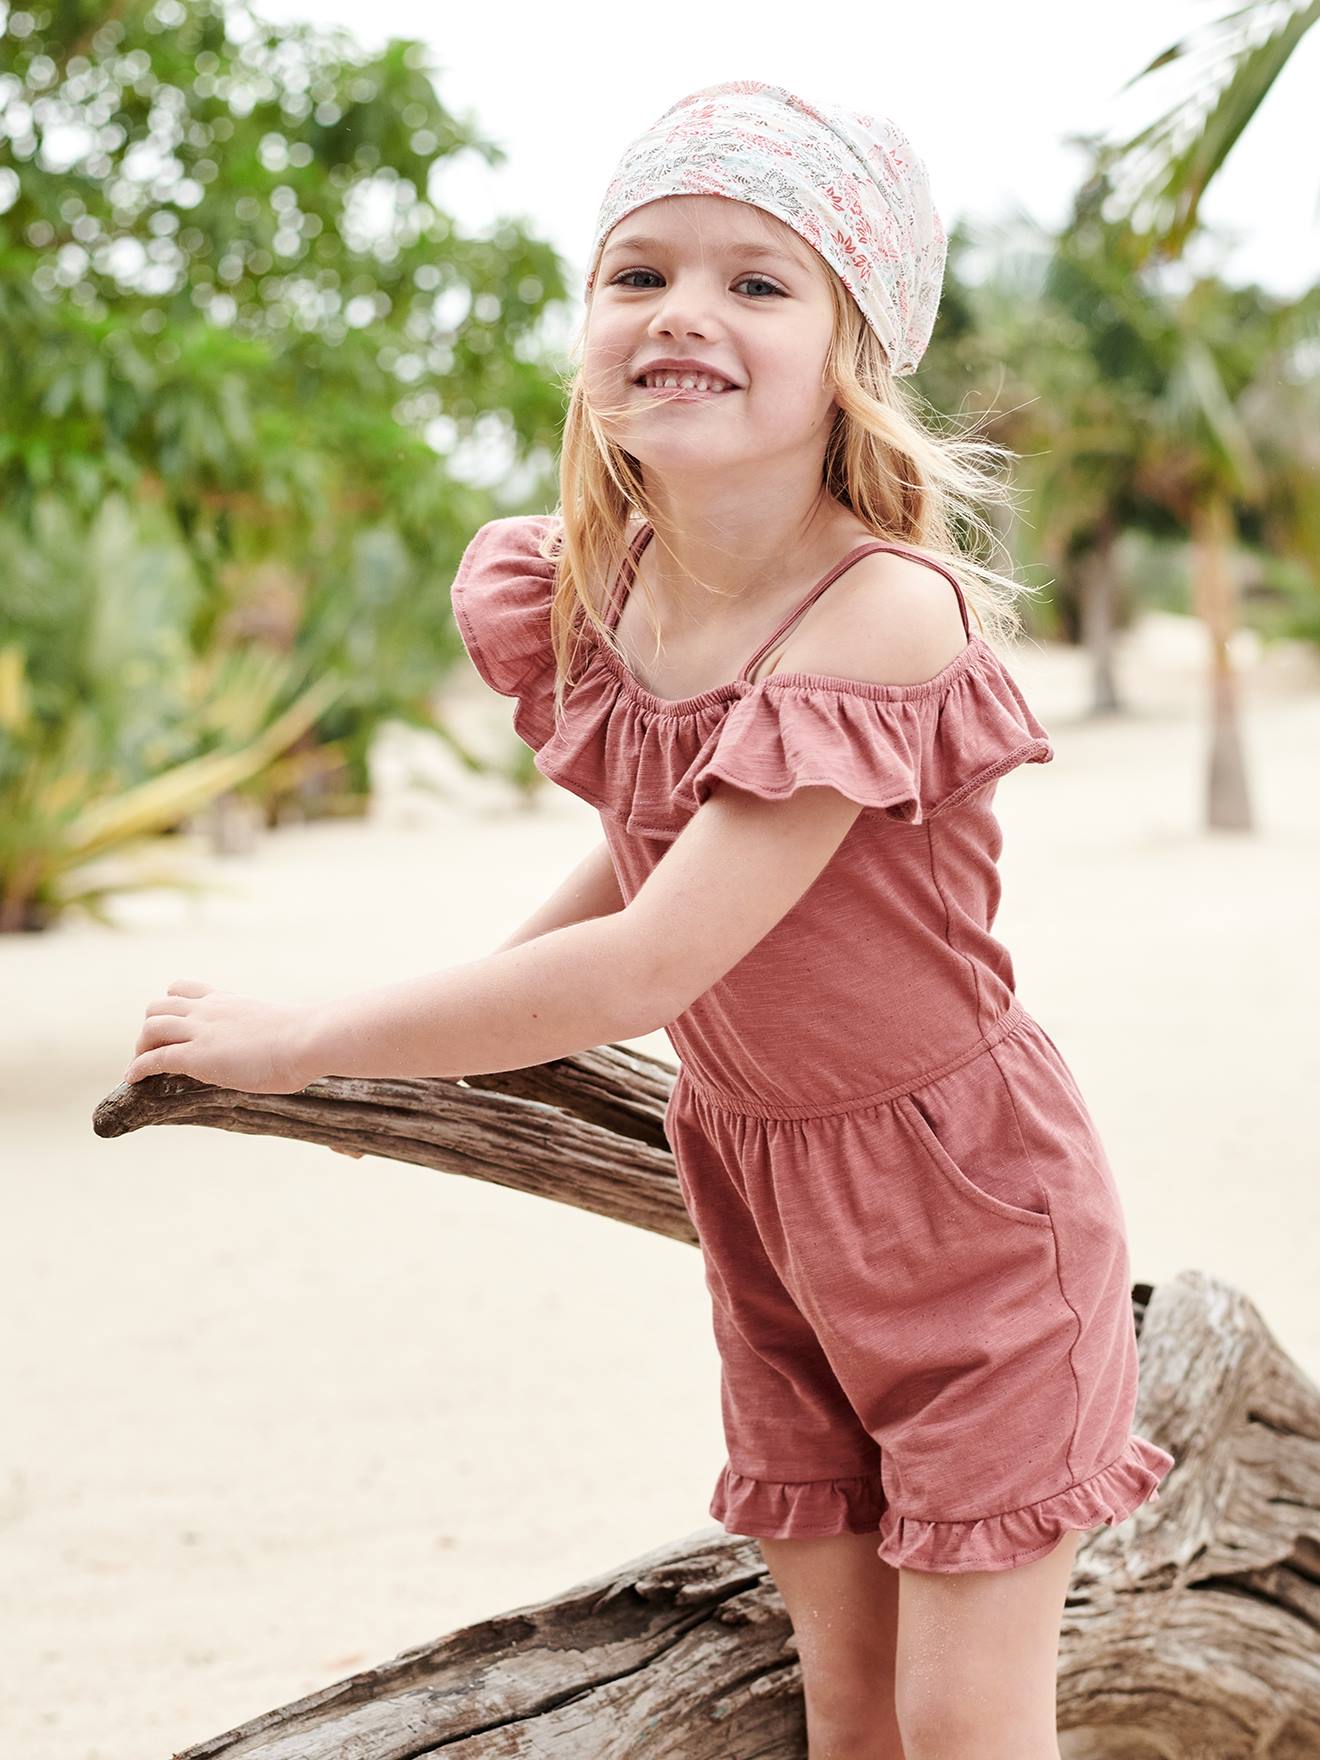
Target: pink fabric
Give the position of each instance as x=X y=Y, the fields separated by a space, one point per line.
x=913 y=1242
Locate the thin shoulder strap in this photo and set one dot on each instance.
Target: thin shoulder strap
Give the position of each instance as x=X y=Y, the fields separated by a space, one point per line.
x=828 y=580
x=627 y=574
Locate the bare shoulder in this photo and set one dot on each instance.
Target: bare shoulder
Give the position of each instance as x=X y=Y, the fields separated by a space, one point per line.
x=887 y=619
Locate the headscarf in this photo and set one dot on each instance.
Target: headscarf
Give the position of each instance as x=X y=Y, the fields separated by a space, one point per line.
x=848 y=183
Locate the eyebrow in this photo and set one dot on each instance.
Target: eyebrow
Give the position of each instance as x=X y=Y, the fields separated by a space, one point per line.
x=637 y=241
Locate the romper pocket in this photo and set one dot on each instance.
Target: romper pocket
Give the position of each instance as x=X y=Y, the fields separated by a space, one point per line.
x=998 y=1144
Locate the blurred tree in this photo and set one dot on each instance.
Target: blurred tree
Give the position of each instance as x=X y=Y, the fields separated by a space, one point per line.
x=1135 y=405
x=1164 y=171
x=231 y=298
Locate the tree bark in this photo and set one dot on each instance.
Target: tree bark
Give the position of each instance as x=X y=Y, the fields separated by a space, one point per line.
x=1189 y=1631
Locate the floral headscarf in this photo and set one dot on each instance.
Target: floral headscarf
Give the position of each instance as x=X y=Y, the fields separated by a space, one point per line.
x=848 y=183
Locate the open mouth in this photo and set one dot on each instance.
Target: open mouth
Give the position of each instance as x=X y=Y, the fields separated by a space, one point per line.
x=674 y=381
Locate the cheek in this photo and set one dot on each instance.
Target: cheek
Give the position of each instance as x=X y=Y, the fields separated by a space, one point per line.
x=784 y=380
x=609 y=344
x=788 y=399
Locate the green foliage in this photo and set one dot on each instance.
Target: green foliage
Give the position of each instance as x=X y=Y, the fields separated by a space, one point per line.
x=249 y=359
x=111 y=729
x=1170 y=163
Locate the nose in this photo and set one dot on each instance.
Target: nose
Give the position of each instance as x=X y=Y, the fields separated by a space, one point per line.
x=683 y=310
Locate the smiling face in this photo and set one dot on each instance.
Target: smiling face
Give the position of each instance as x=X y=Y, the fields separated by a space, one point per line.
x=725 y=284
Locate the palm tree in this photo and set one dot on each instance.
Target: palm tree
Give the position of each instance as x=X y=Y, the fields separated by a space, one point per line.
x=1131 y=405
x=1171 y=163
x=1167 y=168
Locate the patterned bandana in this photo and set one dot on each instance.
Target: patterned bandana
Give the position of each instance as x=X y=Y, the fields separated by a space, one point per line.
x=850 y=184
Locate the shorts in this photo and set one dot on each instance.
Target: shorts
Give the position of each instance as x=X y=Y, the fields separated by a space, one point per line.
x=923 y=1311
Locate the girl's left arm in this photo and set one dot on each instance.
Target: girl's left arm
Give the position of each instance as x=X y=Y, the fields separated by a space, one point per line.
x=737 y=867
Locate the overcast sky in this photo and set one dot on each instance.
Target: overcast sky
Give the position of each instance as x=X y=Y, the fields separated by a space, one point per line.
x=987 y=95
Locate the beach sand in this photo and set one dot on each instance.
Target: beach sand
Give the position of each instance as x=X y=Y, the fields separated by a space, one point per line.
x=273 y=1415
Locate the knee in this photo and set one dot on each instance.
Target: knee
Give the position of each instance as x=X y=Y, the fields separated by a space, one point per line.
x=940 y=1721
x=849 y=1701
x=935 y=1726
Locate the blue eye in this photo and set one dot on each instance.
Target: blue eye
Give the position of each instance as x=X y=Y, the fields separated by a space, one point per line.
x=765 y=283
x=625 y=278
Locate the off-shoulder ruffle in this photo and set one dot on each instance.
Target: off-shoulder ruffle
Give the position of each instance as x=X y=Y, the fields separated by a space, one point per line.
x=913 y=754
x=910 y=751
x=772 y=1508
x=1016 y=1536
x=501 y=601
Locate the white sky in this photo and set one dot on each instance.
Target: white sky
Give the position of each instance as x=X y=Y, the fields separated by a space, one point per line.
x=986 y=94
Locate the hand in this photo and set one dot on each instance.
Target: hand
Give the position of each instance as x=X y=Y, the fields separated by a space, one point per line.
x=227 y=1040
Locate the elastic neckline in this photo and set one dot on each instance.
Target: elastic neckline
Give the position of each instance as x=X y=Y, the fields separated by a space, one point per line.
x=974 y=651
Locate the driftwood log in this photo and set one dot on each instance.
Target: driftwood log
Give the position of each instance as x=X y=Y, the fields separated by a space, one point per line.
x=1191 y=1631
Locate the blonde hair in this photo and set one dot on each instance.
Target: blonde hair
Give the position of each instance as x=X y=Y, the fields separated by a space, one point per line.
x=911 y=482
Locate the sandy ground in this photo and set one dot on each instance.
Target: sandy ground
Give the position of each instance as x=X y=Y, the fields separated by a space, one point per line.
x=272 y=1415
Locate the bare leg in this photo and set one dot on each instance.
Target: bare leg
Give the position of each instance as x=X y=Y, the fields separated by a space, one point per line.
x=843 y=1601
x=978 y=1659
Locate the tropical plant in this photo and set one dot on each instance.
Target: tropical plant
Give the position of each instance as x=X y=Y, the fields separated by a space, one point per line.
x=111 y=728
x=1164 y=170
x=240 y=326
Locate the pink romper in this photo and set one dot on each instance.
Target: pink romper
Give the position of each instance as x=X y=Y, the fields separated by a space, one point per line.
x=913 y=1242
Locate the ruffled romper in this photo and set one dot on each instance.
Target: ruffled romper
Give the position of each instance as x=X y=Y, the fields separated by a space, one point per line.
x=913 y=1243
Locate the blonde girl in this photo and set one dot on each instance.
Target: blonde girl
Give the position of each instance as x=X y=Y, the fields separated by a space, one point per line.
x=745 y=636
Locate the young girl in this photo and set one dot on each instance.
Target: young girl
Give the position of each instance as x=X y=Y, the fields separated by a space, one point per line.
x=912 y=1239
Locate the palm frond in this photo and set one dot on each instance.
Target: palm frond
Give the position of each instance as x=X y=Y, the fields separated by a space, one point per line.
x=1163 y=171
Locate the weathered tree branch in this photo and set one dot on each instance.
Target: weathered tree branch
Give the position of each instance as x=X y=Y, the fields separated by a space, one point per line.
x=1191 y=1631
x=586 y=1131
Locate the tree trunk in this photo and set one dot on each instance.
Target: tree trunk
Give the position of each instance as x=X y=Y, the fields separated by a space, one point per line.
x=1097 y=573
x=1214 y=595
x=1190 y=1630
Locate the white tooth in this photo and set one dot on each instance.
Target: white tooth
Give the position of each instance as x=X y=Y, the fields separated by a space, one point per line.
x=686 y=382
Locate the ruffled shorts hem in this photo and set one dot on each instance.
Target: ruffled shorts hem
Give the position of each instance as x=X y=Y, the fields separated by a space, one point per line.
x=774 y=1509
x=771 y=1509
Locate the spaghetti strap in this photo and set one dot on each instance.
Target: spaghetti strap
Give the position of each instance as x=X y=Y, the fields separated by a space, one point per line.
x=854 y=555
x=627 y=574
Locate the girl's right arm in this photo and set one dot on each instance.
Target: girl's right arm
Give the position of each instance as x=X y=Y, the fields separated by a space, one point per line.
x=591 y=890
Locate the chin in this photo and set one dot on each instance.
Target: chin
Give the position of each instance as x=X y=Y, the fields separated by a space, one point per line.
x=675 y=467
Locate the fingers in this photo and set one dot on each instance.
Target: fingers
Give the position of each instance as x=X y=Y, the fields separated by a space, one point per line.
x=165 y=1026
x=167 y=1060
x=169 y=1005
x=162 y=1029
x=176 y=1005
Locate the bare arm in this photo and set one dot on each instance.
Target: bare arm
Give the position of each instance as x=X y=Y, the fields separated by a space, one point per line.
x=723 y=884
x=591 y=890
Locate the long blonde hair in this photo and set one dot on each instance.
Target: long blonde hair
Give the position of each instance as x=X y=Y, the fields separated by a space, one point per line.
x=910 y=481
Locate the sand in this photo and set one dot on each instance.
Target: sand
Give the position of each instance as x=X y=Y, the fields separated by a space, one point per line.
x=273 y=1415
